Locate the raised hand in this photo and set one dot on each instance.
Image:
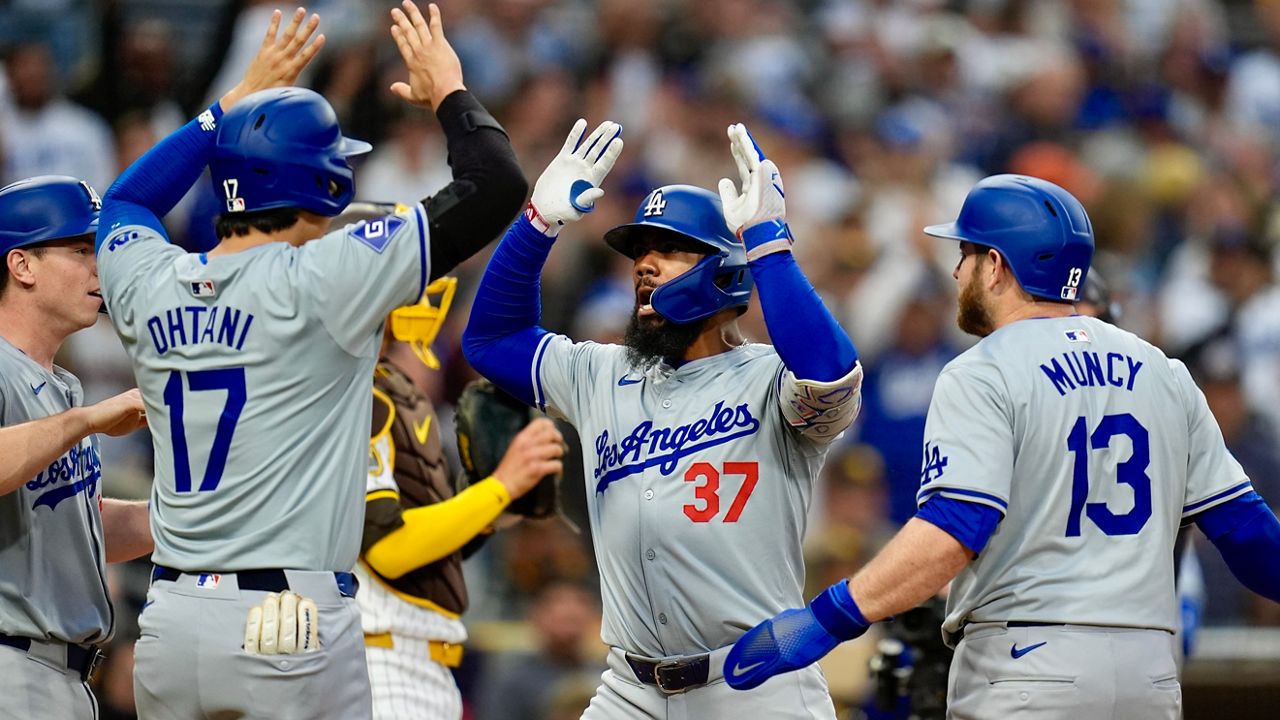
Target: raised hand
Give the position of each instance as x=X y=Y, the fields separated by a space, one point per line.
x=434 y=68
x=118 y=415
x=760 y=208
x=570 y=186
x=281 y=58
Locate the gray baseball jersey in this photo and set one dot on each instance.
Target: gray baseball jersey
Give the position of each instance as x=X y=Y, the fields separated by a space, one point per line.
x=699 y=481
x=52 y=564
x=1095 y=446
x=256 y=369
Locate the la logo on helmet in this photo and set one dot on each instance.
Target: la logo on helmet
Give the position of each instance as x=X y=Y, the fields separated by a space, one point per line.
x=656 y=204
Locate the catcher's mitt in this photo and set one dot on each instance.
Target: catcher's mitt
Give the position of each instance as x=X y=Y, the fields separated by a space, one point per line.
x=487 y=419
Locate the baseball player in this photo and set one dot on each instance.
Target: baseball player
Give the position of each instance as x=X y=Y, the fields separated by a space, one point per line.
x=1061 y=455
x=255 y=362
x=702 y=448
x=56 y=530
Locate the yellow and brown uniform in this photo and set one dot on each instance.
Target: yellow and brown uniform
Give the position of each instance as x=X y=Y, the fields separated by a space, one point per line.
x=415 y=525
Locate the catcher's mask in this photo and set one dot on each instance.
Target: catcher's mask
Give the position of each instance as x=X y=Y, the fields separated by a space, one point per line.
x=419 y=324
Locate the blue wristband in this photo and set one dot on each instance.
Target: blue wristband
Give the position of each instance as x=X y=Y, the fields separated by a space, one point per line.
x=837 y=613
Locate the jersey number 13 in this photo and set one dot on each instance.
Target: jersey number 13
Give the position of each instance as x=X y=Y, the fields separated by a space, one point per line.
x=1131 y=472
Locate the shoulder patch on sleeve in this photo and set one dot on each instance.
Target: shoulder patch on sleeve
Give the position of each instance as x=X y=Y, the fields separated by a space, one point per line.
x=121 y=237
x=377 y=234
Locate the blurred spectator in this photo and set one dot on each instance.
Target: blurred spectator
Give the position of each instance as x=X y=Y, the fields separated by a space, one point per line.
x=558 y=677
x=45 y=133
x=1216 y=365
x=897 y=390
x=1241 y=267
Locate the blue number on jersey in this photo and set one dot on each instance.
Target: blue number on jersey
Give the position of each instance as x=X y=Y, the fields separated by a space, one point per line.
x=1131 y=472
x=229 y=379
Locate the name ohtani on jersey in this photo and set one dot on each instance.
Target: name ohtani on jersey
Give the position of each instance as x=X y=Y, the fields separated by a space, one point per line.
x=646 y=446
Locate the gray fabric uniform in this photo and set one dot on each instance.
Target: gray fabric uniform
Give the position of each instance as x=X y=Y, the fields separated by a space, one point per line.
x=699 y=480
x=1096 y=447
x=257 y=370
x=53 y=586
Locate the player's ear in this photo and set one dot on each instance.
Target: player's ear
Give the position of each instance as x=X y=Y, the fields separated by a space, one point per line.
x=18 y=263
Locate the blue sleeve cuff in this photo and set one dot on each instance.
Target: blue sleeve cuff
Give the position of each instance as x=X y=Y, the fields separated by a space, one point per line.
x=1247 y=534
x=971 y=524
x=837 y=613
x=1226 y=517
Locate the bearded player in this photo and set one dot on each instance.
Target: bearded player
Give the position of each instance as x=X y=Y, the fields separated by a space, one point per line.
x=702 y=447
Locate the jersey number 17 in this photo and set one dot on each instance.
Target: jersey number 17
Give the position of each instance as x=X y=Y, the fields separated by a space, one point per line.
x=232 y=381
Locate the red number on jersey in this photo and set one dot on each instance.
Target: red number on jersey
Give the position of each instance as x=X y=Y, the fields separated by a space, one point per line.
x=709 y=491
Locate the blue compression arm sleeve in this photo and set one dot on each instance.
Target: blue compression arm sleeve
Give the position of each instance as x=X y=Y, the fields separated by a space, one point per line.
x=154 y=184
x=971 y=524
x=502 y=333
x=1247 y=534
x=810 y=342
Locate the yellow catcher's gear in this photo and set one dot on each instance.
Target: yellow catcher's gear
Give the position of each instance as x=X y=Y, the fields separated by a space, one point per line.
x=418 y=324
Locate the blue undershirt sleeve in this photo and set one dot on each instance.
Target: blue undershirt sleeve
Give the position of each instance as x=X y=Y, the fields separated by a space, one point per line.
x=1247 y=534
x=502 y=333
x=810 y=342
x=971 y=524
x=154 y=184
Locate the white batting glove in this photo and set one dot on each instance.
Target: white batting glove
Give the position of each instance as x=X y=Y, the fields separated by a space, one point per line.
x=758 y=214
x=570 y=186
x=282 y=624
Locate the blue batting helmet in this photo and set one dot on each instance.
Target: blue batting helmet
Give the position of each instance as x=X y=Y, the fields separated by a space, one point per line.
x=282 y=148
x=718 y=281
x=1040 y=229
x=44 y=208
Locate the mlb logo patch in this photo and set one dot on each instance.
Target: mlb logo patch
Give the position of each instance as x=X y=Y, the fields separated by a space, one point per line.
x=377 y=234
x=235 y=204
x=1070 y=293
x=208 y=581
x=1079 y=336
x=203 y=288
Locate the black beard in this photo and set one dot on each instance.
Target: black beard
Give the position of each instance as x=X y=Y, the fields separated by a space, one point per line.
x=651 y=339
x=973 y=316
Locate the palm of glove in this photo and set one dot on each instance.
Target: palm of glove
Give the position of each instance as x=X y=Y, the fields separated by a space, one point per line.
x=570 y=186
x=788 y=641
x=762 y=198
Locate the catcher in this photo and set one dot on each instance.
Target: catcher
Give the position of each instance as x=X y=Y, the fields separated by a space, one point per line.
x=417 y=523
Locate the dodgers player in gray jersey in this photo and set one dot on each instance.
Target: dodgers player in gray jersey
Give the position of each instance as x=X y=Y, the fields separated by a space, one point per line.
x=56 y=529
x=256 y=360
x=1061 y=455
x=701 y=448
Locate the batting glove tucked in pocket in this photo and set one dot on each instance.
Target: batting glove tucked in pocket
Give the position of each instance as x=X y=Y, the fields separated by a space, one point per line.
x=282 y=624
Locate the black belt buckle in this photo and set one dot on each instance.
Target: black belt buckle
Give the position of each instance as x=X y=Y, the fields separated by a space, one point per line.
x=95 y=659
x=660 y=676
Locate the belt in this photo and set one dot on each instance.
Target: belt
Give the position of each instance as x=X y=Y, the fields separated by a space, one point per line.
x=673 y=675
x=265 y=580
x=80 y=659
x=446 y=653
x=959 y=634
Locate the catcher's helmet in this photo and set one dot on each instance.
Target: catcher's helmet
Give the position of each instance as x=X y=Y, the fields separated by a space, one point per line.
x=44 y=208
x=419 y=324
x=718 y=281
x=282 y=148
x=1042 y=231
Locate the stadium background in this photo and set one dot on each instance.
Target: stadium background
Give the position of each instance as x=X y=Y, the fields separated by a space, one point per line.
x=1162 y=116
